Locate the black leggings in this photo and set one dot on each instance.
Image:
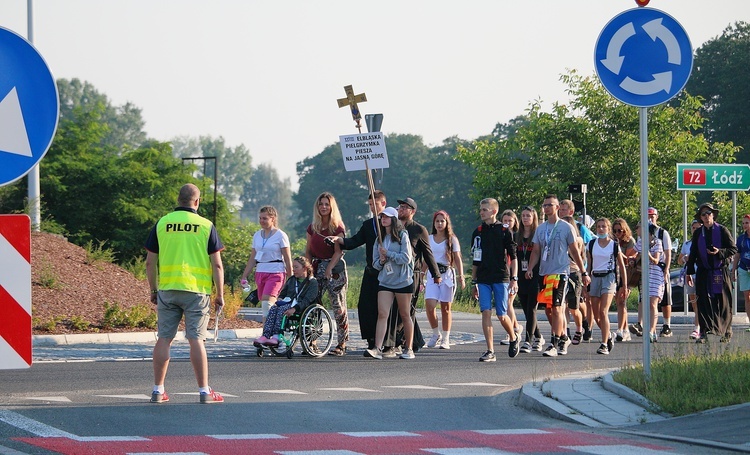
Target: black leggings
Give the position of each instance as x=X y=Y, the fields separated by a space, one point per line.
x=529 y=304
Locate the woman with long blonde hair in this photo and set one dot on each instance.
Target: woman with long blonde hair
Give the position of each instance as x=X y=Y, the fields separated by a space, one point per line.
x=328 y=262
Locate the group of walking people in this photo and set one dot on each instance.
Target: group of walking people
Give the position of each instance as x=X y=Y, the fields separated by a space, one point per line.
x=557 y=262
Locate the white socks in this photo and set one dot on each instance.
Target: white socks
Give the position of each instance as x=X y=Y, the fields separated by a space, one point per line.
x=159 y=388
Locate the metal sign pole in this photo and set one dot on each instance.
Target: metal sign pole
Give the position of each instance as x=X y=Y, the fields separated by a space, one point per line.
x=645 y=263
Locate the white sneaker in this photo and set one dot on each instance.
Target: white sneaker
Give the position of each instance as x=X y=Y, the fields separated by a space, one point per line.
x=434 y=340
x=505 y=341
x=626 y=336
x=407 y=354
x=551 y=351
x=537 y=344
x=525 y=347
x=562 y=347
x=375 y=353
x=445 y=344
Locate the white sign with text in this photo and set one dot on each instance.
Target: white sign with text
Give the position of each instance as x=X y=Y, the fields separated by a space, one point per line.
x=358 y=148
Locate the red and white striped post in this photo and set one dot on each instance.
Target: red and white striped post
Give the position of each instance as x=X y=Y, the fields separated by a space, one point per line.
x=15 y=292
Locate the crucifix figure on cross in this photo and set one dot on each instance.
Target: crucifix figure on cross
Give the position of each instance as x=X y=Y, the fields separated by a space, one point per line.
x=352 y=100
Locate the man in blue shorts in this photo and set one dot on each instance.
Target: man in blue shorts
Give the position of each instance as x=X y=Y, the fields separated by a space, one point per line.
x=491 y=244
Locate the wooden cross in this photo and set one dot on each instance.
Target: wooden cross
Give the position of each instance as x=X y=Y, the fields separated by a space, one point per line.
x=352 y=100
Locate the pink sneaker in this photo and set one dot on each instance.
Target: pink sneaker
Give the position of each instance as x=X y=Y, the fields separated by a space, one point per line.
x=261 y=340
x=273 y=341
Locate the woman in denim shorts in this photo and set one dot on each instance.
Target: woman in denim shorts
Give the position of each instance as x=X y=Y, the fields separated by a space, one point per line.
x=605 y=266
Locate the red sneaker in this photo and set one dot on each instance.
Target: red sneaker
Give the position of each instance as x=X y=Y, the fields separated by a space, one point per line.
x=213 y=397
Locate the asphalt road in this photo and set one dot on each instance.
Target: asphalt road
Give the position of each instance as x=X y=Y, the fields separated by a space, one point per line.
x=440 y=391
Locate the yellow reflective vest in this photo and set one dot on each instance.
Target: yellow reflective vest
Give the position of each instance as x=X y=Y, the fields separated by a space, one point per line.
x=184 y=264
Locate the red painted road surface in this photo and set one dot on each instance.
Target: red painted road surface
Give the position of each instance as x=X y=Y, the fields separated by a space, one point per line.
x=513 y=441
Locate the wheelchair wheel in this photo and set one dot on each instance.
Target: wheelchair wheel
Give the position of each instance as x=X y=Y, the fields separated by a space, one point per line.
x=259 y=352
x=316 y=331
x=290 y=334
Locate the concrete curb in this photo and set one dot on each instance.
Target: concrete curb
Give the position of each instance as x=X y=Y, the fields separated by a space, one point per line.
x=132 y=337
x=532 y=398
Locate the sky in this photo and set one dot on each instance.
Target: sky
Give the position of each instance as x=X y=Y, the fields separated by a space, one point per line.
x=267 y=74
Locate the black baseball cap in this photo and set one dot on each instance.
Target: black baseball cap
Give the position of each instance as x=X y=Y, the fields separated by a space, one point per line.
x=408 y=201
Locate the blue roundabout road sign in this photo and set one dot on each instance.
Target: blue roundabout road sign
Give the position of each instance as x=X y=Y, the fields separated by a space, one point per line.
x=29 y=107
x=643 y=57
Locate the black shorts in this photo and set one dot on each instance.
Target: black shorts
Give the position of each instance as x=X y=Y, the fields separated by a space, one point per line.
x=409 y=289
x=573 y=296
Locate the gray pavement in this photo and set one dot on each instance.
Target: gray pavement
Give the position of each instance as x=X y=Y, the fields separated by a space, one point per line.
x=591 y=398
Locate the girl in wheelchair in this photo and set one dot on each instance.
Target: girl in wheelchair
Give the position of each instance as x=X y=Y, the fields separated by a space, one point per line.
x=300 y=291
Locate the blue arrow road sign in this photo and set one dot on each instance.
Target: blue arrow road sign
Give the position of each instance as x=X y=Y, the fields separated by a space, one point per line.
x=29 y=107
x=643 y=57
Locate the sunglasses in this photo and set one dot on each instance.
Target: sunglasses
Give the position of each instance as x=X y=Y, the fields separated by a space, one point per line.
x=531 y=209
x=707 y=212
x=547 y=205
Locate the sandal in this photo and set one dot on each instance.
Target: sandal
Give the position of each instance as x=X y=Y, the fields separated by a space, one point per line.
x=338 y=351
x=577 y=338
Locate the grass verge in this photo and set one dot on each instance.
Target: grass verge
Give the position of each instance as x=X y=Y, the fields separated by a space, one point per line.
x=690 y=382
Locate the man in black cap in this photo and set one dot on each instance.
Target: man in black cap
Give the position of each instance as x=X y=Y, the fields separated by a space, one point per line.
x=420 y=245
x=712 y=249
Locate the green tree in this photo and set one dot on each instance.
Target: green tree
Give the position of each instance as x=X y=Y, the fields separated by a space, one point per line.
x=431 y=176
x=594 y=140
x=125 y=123
x=265 y=187
x=720 y=77
x=235 y=163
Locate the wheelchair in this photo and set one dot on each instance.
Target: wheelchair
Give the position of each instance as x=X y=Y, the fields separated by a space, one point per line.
x=313 y=329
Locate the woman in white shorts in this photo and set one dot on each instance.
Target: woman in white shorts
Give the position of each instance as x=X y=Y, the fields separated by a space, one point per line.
x=447 y=252
x=741 y=263
x=605 y=266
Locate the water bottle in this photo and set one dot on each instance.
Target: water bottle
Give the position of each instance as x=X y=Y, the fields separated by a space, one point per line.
x=245 y=285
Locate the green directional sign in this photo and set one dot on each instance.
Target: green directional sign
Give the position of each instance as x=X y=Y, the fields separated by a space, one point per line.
x=713 y=177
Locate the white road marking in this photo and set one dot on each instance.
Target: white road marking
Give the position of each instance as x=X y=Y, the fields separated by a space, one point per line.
x=245 y=436
x=279 y=391
x=414 y=386
x=370 y=434
x=57 y=399
x=350 y=389
x=476 y=384
x=622 y=449
x=512 y=431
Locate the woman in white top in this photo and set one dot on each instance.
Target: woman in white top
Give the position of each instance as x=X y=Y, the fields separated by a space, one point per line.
x=270 y=257
x=447 y=252
x=605 y=266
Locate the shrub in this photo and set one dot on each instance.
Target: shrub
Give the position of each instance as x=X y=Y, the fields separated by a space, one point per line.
x=98 y=253
x=47 y=277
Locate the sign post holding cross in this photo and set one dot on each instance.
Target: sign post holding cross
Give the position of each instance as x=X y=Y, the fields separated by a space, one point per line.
x=351 y=100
